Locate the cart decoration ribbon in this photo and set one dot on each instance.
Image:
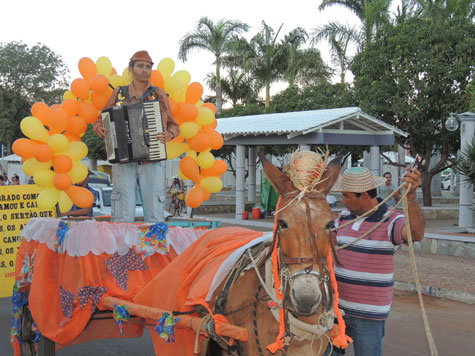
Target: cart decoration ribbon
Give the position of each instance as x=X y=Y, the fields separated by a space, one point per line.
x=63 y=228
x=120 y=265
x=25 y=276
x=67 y=299
x=121 y=314
x=34 y=328
x=153 y=238
x=165 y=327
x=86 y=293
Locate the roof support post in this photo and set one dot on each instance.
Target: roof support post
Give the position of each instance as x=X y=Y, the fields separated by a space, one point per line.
x=305 y=147
x=251 y=188
x=467 y=130
x=374 y=160
x=240 y=180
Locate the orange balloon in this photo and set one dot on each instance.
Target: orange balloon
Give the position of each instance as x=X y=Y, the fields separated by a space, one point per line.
x=62 y=181
x=24 y=147
x=99 y=83
x=82 y=197
x=157 y=79
x=218 y=168
x=188 y=112
x=209 y=106
x=178 y=139
x=193 y=93
x=200 y=142
x=88 y=112
x=77 y=125
x=55 y=107
x=72 y=137
x=87 y=68
x=99 y=100
x=214 y=124
x=62 y=164
x=173 y=106
x=216 y=141
x=58 y=121
x=41 y=111
x=190 y=169
x=71 y=106
x=194 y=197
x=44 y=153
x=80 y=87
x=113 y=71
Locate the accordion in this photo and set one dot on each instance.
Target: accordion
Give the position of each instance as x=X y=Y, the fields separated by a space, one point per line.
x=132 y=133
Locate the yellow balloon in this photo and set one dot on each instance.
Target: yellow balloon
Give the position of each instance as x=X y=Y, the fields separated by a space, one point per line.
x=79 y=172
x=199 y=103
x=104 y=66
x=115 y=80
x=65 y=203
x=212 y=184
x=44 y=178
x=58 y=143
x=183 y=77
x=76 y=150
x=48 y=198
x=68 y=94
x=174 y=88
x=34 y=129
x=126 y=77
x=189 y=129
x=31 y=166
x=205 y=160
x=192 y=154
x=182 y=176
x=205 y=116
x=174 y=149
x=166 y=67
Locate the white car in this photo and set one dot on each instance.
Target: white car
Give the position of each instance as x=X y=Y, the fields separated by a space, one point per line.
x=104 y=206
x=446 y=181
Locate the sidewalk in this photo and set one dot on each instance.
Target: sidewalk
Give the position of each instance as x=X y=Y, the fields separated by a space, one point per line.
x=443 y=276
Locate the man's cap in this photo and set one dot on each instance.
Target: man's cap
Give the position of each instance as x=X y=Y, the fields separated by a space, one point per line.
x=142 y=56
x=357 y=180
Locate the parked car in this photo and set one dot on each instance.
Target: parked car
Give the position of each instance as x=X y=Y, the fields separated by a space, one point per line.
x=446 y=181
x=104 y=207
x=99 y=179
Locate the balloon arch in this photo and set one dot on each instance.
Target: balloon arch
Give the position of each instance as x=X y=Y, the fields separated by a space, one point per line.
x=53 y=151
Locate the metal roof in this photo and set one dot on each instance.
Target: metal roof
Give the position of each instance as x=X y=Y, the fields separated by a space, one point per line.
x=350 y=120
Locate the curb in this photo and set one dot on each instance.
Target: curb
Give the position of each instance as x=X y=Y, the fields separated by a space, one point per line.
x=432 y=291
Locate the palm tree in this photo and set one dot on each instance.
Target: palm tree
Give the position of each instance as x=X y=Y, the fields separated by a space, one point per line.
x=441 y=10
x=236 y=87
x=216 y=38
x=339 y=36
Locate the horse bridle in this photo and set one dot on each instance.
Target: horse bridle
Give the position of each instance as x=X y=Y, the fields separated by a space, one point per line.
x=324 y=280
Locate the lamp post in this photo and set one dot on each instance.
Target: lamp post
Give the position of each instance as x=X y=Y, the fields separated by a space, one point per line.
x=467 y=130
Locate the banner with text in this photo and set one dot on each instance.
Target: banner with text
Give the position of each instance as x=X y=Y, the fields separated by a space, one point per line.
x=17 y=207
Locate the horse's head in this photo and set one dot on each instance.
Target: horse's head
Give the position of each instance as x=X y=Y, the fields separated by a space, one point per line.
x=303 y=228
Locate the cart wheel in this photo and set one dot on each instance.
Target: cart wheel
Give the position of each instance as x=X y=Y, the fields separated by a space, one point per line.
x=44 y=346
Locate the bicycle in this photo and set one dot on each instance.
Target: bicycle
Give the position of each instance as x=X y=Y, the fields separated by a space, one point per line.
x=177 y=203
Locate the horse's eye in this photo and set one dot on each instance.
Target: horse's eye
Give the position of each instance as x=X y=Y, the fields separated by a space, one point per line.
x=330 y=225
x=282 y=224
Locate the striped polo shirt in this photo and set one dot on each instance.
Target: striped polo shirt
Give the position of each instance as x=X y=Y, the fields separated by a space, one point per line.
x=366 y=279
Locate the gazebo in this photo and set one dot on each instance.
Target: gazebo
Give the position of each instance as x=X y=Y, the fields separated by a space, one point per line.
x=342 y=126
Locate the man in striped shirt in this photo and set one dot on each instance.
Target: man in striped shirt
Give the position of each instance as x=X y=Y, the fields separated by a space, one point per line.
x=366 y=277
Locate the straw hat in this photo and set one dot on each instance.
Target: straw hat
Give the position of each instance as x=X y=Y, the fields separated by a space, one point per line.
x=306 y=168
x=357 y=180
x=142 y=56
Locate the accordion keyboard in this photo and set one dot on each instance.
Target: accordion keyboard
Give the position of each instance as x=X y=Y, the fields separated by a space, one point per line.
x=157 y=150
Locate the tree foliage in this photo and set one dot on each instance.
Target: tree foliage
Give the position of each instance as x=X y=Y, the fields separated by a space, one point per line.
x=412 y=76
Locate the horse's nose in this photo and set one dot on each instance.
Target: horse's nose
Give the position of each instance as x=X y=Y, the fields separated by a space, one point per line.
x=305 y=294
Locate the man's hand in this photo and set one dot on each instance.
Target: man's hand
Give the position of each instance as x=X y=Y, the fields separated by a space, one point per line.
x=100 y=131
x=165 y=137
x=412 y=176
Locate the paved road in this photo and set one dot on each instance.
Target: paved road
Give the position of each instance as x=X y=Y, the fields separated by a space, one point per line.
x=452 y=324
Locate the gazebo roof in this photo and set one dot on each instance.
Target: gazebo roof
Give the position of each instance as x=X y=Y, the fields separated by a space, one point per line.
x=349 y=126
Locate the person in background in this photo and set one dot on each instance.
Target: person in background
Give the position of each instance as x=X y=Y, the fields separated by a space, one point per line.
x=15 y=180
x=387 y=188
x=365 y=277
x=2 y=180
x=85 y=212
x=125 y=174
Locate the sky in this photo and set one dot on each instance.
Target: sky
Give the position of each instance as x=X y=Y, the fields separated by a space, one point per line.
x=117 y=29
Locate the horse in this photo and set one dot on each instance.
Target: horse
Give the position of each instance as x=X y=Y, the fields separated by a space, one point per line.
x=302 y=238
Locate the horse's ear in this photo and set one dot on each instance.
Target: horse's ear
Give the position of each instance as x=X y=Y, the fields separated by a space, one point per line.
x=330 y=175
x=281 y=183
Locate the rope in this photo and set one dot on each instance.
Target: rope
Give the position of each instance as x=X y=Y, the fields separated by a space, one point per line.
x=204 y=320
x=430 y=339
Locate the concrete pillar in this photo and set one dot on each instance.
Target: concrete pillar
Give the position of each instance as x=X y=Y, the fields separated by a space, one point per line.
x=240 y=180
x=304 y=147
x=251 y=187
x=467 y=129
x=366 y=159
x=374 y=160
